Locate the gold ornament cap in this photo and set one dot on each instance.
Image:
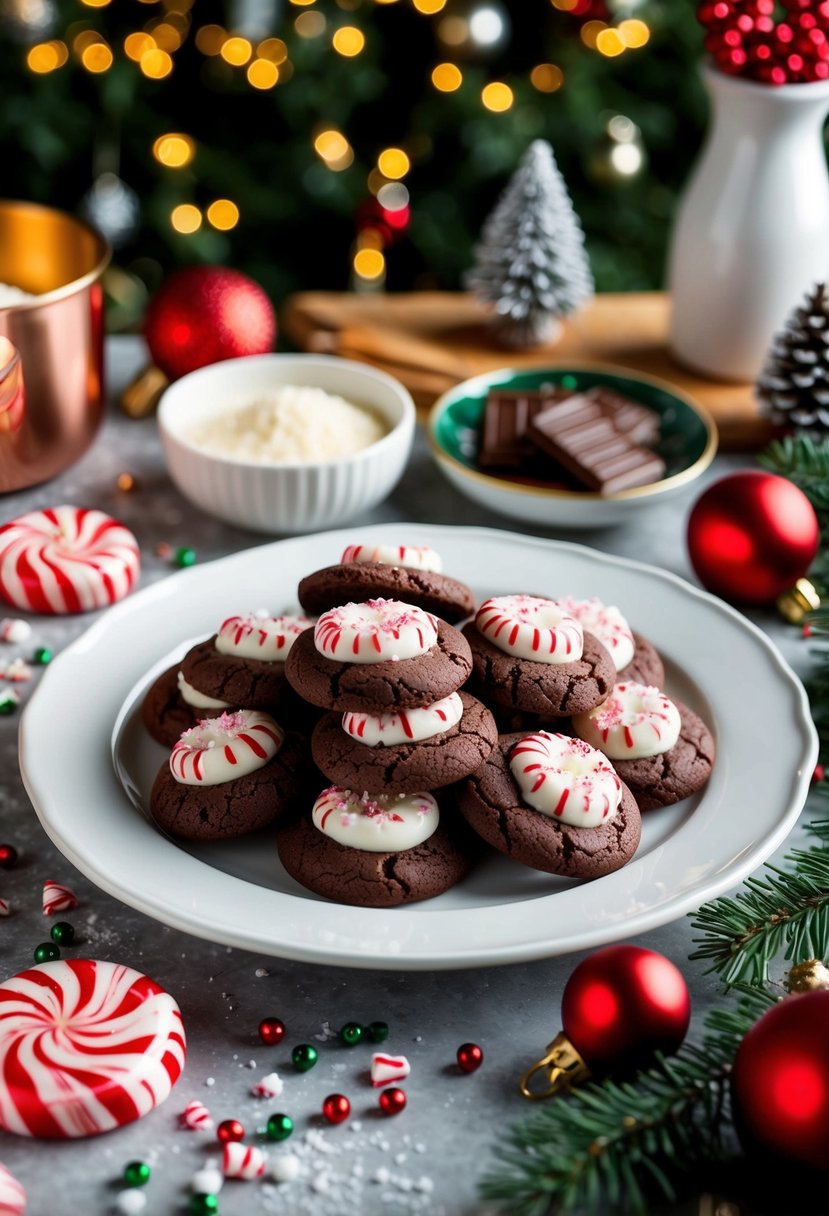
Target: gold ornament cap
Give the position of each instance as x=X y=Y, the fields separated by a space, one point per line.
x=800 y=599
x=563 y=1066
x=811 y=976
x=141 y=396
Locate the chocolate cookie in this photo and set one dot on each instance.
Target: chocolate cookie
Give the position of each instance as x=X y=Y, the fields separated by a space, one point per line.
x=491 y=803
x=380 y=687
x=645 y=667
x=424 y=765
x=375 y=880
x=164 y=711
x=552 y=690
x=657 y=781
x=253 y=683
x=357 y=581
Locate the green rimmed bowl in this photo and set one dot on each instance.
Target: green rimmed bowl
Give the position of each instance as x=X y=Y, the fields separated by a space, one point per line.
x=687 y=444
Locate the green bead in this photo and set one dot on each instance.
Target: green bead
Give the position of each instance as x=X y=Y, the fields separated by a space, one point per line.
x=46 y=952
x=378 y=1032
x=62 y=933
x=42 y=656
x=304 y=1057
x=136 y=1173
x=279 y=1127
x=8 y=703
x=351 y=1034
x=185 y=557
x=203 y=1205
x=569 y=382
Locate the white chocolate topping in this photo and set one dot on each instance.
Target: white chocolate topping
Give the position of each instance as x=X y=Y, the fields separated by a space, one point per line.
x=566 y=779
x=222 y=749
x=198 y=699
x=414 y=557
x=405 y=726
x=375 y=632
x=531 y=628
x=387 y=823
x=635 y=721
x=606 y=623
x=268 y=638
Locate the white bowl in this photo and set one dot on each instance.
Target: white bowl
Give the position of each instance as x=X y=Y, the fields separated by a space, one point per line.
x=274 y=497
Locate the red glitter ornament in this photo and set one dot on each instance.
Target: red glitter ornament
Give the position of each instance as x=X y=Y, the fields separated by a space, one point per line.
x=8 y=856
x=271 y=1031
x=336 y=1108
x=228 y=1130
x=470 y=1057
x=204 y=314
x=392 y=1101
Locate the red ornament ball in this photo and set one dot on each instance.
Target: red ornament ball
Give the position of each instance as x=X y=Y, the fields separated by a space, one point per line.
x=8 y=856
x=623 y=1003
x=392 y=1101
x=751 y=536
x=230 y=1129
x=336 y=1108
x=204 y=314
x=780 y=1082
x=271 y=1031
x=470 y=1057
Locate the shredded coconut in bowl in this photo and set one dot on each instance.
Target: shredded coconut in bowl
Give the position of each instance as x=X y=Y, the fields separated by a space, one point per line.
x=290 y=425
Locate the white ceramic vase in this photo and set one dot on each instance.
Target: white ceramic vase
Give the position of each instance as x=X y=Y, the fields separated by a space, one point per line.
x=752 y=231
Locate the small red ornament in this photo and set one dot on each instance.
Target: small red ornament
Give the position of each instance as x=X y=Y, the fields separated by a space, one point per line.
x=470 y=1057
x=392 y=1101
x=619 y=1006
x=751 y=536
x=228 y=1130
x=780 y=1082
x=271 y=1031
x=336 y=1108
x=204 y=314
x=8 y=856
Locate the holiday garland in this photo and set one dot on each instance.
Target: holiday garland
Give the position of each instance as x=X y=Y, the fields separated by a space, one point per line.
x=623 y=1145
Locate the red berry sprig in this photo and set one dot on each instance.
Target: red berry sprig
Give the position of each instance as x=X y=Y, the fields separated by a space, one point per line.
x=748 y=38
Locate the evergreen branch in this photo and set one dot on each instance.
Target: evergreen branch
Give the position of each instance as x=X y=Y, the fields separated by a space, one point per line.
x=804 y=461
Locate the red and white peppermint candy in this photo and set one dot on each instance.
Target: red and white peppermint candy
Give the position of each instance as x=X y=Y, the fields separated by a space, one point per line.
x=270 y=1086
x=529 y=627
x=85 y=1047
x=606 y=623
x=566 y=779
x=405 y=726
x=376 y=823
x=375 y=632
x=66 y=559
x=5 y=907
x=196 y=1117
x=17 y=671
x=14 y=631
x=413 y=557
x=635 y=721
x=221 y=749
x=267 y=638
x=58 y=898
x=388 y=1070
x=12 y=1194
x=243 y=1161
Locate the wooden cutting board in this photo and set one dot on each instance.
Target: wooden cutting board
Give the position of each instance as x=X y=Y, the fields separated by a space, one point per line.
x=432 y=340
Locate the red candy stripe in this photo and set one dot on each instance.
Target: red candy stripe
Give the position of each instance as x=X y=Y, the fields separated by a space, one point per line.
x=12 y=1194
x=58 y=898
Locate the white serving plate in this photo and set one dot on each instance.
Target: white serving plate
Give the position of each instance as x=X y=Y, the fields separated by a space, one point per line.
x=84 y=715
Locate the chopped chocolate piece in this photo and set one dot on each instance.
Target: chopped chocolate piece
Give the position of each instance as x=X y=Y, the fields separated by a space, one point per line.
x=504 y=443
x=577 y=434
x=628 y=417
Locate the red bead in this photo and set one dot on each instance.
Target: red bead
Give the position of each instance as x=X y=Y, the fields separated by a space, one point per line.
x=336 y=1108
x=271 y=1031
x=230 y=1129
x=470 y=1057
x=392 y=1101
x=8 y=856
x=818 y=774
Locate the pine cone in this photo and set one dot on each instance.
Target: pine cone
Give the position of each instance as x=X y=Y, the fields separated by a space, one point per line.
x=793 y=389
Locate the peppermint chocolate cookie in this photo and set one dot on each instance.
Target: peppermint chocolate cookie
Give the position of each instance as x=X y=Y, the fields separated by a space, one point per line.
x=660 y=748
x=375 y=851
x=554 y=804
x=398 y=572
x=634 y=658
x=378 y=657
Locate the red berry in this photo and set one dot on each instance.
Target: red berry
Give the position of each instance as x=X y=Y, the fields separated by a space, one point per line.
x=336 y=1108
x=392 y=1101
x=271 y=1031
x=470 y=1057
x=818 y=774
x=8 y=856
x=230 y=1129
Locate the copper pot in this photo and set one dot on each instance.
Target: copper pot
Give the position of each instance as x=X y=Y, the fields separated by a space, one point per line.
x=51 y=366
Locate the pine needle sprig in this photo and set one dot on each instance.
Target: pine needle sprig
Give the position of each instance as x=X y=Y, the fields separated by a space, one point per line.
x=804 y=461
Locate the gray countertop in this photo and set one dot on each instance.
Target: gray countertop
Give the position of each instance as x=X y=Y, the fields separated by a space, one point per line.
x=429 y=1158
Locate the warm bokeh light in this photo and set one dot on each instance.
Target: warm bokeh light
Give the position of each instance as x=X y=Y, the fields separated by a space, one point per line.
x=174 y=150
x=429 y=6
x=210 y=39
x=302 y=3
x=453 y=31
x=634 y=33
x=166 y=36
x=447 y=77
x=565 y=6
x=369 y=263
x=156 y=64
x=83 y=39
x=223 y=214
x=273 y=49
x=497 y=96
x=186 y=218
x=138 y=44
x=96 y=3
x=262 y=74
x=45 y=57
x=376 y=181
x=590 y=32
x=97 y=58
x=310 y=24
x=236 y=51
x=348 y=40
x=393 y=163
x=334 y=149
x=610 y=43
x=546 y=77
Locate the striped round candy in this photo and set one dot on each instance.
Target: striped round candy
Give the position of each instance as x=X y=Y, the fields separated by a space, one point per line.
x=85 y=1047
x=66 y=559
x=220 y=749
x=243 y=1161
x=58 y=898
x=12 y=1194
x=196 y=1117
